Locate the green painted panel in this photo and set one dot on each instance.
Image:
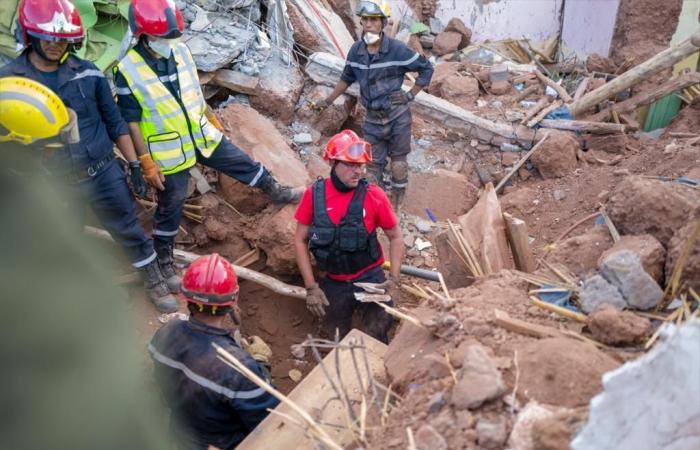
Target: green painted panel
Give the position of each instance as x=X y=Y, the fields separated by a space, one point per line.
x=662 y=112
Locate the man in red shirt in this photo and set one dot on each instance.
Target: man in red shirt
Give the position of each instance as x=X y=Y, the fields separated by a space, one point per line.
x=337 y=220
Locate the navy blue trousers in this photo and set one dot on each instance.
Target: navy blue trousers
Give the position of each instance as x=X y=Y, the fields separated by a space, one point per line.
x=113 y=203
x=228 y=159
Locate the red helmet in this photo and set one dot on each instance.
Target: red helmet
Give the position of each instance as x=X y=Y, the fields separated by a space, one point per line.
x=210 y=280
x=347 y=146
x=50 y=20
x=158 y=18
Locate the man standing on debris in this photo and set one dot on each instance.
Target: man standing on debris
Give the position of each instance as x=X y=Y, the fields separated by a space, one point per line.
x=50 y=30
x=338 y=219
x=211 y=403
x=160 y=97
x=380 y=64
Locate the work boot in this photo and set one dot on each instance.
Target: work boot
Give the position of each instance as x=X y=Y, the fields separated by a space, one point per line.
x=164 y=250
x=156 y=288
x=280 y=194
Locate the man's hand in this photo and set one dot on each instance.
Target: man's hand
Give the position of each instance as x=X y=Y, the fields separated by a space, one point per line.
x=320 y=105
x=316 y=300
x=151 y=172
x=400 y=98
x=137 y=181
x=259 y=350
x=392 y=287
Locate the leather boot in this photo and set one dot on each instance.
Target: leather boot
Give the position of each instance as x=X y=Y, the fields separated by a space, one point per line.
x=164 y=249
x=280 y=194
x=156 y=288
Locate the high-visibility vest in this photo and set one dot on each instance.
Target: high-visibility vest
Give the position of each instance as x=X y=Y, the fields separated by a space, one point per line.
x=171 y=128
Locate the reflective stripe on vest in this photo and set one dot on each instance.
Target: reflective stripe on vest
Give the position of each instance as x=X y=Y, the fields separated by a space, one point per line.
x=164 y=125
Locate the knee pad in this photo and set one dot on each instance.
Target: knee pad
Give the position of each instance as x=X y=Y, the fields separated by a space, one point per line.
x=399 y=173
x=374 y=174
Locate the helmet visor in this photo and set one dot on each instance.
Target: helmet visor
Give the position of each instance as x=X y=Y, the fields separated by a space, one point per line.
x=367 y=8
x=360 y=152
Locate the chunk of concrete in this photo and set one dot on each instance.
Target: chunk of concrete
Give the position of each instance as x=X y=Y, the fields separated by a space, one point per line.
x=491 y=434
x=652 y=402
x=596 y=292
x=456 y=25
x=624 y=270
x=647 y=247
x=279 y=89
x=446 y=42
x=479 y=380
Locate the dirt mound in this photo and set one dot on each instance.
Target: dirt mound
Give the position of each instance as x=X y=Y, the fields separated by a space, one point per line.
x=691 y=272
x=556 y=157
x=687 y=120
x=639 y=205
x=580 y=254
x=274 y=234
x=560 y=371
x=448 y=194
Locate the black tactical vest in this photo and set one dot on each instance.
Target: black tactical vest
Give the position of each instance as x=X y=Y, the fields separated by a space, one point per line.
x=345 y=248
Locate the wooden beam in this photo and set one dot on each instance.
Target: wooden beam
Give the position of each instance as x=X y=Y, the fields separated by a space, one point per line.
x=519 y=164
x=315 y=395
x=655 y=64
x=581 y=88
x=559 y=89
x=269 y=282
x=542 y=114
x=536 y=108
x=519 y=240
x=647 y=97
x=527 y=92
x=584 y=126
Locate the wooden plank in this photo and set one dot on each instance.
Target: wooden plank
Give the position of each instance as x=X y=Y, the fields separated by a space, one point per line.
x=519 y=164
x=314 y=393
x=558 y=88
x=655 y=64
x=583 y=126
x=236 y=81
x=503 y=320
x=581 y=88
x=516 y=231
x=536 y=108
x=542 y=114
x=527 y=92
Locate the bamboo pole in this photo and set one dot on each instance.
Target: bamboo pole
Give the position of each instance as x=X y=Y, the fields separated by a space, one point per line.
x=519 y=164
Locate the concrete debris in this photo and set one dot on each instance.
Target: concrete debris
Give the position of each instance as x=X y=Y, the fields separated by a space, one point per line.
x=624 y=270
x=337 y=43
x=491 y=434
x=456 y=25
x=423 y=225
x=330 y=120
x=652 y=402
x=611 y=326
x=280 y=87
x=648 y=249
x=597 y=292
x=236 y=81
x=479 y=380
x=446 y=42
x=302 y=138
x=521 y=436
x=459 y=90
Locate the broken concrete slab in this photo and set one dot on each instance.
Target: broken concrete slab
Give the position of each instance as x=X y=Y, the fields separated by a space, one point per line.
x=647 y=247
x=325 y=69
x=597 y=292
x=479 y=380
x=640 y=205
x=611 y=326
x=279 y=89
x=447 y=194
x=652 y=402
x=624 y=270
x=330 y=32
x=330 y=120
x=218 y=44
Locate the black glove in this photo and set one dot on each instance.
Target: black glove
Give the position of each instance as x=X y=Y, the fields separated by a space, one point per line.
x=400 y=98
x=137 y=181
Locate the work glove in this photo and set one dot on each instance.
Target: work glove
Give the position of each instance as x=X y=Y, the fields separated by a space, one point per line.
x=400 y=98
x=392 y=287
x=319 y=105
x=151 y=172
x=137 y=181
x=316 y=300
x=259 y=350
x=70 y=134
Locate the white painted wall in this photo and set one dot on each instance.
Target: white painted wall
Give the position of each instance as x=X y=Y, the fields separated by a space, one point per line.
x=589 y=26
x=500 y=19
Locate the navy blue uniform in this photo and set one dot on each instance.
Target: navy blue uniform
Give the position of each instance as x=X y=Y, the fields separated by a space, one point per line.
x=386 y=127
x=211 y=403
x=90 y=165
x=227 y=157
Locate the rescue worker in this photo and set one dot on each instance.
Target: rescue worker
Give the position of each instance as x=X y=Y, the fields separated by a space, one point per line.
x=211 y=403
x=160 y=97
x=78 y=381
x=379 y=64
x=337 y=220
x=49 y=31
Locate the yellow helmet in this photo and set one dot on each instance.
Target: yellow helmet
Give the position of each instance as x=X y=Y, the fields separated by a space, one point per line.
x=29 y=111
x=374 y=8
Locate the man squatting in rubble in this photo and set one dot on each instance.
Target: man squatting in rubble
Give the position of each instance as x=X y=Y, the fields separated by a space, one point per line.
x=380 y=63
x=338 y=218
x=160 y=98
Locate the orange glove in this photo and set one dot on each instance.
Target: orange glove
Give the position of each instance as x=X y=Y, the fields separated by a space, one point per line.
x=151 y=172
x=214 y=120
